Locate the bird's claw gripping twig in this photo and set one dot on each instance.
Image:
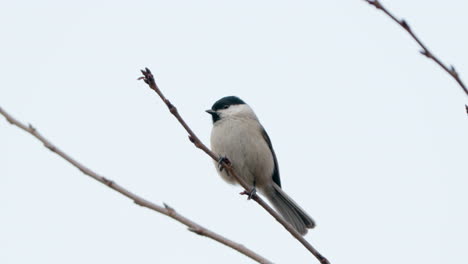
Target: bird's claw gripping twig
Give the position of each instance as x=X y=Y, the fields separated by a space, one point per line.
x=250 y=193
x=223 y=160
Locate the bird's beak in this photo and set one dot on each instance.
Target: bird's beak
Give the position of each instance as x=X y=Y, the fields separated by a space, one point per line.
x=214 y=115
x=211 y=112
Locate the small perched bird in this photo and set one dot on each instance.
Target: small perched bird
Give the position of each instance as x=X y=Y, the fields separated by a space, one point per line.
x=238 y=136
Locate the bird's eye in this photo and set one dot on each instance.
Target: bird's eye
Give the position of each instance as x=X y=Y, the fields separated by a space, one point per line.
x=226 y=107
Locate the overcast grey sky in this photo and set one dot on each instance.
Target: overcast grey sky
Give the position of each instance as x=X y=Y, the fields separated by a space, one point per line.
x=371 y=137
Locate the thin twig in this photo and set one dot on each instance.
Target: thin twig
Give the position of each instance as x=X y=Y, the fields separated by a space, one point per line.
x=166 y=210
x=149 y=79
x=425 y=51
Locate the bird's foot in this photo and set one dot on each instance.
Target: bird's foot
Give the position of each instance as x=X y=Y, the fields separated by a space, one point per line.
x=250 y=193
x=222 y=160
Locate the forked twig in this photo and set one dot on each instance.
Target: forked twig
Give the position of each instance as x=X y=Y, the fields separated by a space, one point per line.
x=166 y=210
x=149 y=79
x=425 y=51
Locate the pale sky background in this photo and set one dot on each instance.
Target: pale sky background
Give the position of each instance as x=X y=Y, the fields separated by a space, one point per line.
x=371 y=136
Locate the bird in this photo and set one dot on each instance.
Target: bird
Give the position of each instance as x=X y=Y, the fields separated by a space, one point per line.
x=238 y=136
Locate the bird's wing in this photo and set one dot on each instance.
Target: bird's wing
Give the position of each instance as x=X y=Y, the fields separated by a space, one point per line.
x=276 y=176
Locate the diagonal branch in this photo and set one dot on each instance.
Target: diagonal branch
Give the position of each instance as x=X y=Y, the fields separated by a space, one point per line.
x=149 y=79
x=424 y=50
x=166 y=210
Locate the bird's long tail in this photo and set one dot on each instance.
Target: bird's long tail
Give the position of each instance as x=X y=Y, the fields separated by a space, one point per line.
x=290 y=211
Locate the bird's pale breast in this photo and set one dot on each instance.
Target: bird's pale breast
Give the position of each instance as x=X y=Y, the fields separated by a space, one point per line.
x=246 y=148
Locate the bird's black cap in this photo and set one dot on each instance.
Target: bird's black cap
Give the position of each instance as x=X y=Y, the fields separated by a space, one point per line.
x=226 y=102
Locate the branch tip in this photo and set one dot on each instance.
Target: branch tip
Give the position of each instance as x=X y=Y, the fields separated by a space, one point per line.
x=147 y=77
x=424 y=50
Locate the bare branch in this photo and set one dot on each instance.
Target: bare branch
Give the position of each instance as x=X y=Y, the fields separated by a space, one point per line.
x=425 y=51
x=149 y=79
x=166 y=210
